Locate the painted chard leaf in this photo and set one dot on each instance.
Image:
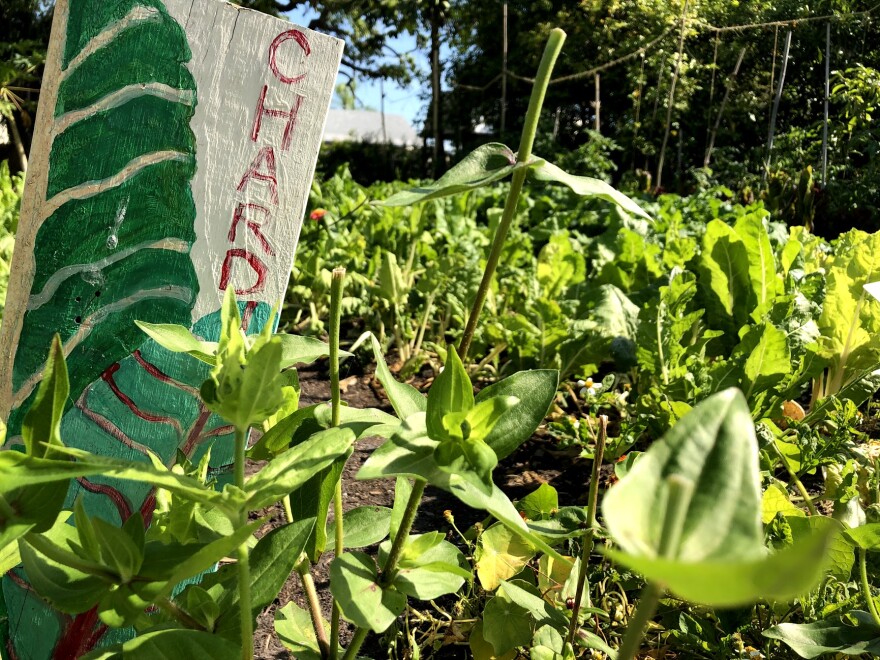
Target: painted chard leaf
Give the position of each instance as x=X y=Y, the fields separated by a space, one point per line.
x=117 y=226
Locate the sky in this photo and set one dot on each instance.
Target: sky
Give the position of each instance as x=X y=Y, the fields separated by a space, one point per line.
x=399 y=100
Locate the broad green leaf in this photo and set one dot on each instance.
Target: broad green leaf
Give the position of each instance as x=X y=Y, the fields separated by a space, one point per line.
x=277 y=439
x=296 y=349
x=527 y=596
x=724 y=278
x=312 y=500
x=405 y=399
x=775 y=500
x=501 y=555
x=812 y=640
x=451 y=392
x=535 y=391
x=506 y=624
x=559 y=266
x=294 y=628
x=548 y=644
x=179 y=339
x=168 y=644
x=9 y=554
x=586 y=186
x=866 y=537
x=762 y=264
x=732 y=582
x=271 y=562
x=483 y=650
x=540 y=504
x=363 y=526
x=768 y=361
x=402 y=491
x=713 y=447
x=839 y=555
x=296 y=466
x=430 y=573
x=850 y=320
x=117 y=550
x=482 y=418
x=354 y=582
x=486 y=164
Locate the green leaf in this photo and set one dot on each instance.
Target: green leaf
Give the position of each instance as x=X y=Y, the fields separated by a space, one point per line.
x=526 y=595
x=540 y=504
x=482 y=418
x=724 y=277
x=535 y=391
x=811 y=640
x=296 y=466
x=277 y=439
x=429 y=572
x=506 y=624
x=586 y=186
x=501 y=555
x=402 y=491
x=713 y=447
x=775 y=500
x=295 y=631
x=302 y=350
x=170 y=645
x=483 y=650
x=354 y=582
x=179 y=339
x=312 y=500
x=839 y=556
x=364 y=525
x=733 y=582
x=117 y=550
x=866 y=537
x=765 y=284
x=451 y=392
x=768 y=361
x=486 y=164
x=405 y=399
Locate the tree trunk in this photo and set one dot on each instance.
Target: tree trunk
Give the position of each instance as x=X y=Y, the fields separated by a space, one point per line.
x=16 y=140
x=436 y=123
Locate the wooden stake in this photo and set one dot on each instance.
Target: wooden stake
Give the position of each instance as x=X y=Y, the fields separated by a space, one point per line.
x=827 y=96
x=730 y=82
x=598 y=104
x=504 y=71
x=671 y=99
x=773 y=114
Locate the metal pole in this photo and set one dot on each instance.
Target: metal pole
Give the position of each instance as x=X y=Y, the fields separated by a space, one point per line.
x=598 y=105
x=733 y=75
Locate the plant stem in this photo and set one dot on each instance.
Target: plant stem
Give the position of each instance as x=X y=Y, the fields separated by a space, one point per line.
x=314 y=604
x=591 y=520
x=797 y=482
x=680 y=493
x=648 y=601
x=244 y=568
x=866 y=587
x=336 y=284
x=530 y=128
x=390 y=567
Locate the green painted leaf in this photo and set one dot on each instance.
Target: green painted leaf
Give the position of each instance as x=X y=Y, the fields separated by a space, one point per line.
x=486 y=164
x=118 y=225
x=585 y=186
x=811 y=640
x=535 y=390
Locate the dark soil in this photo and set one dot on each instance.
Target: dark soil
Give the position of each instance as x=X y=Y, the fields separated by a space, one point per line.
x=532 y=464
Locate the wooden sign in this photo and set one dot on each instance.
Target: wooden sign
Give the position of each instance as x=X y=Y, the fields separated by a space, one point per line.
x=174 y=149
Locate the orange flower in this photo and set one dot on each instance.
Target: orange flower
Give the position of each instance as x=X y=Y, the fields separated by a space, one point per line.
x=317 y=214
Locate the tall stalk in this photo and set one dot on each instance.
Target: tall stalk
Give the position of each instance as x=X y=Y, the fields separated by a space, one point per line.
x=589 y=536
x=527 y=141
x=336 y=284
x=242 y=555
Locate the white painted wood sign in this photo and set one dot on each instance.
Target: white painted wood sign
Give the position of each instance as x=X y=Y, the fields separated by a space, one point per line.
x=174 y=150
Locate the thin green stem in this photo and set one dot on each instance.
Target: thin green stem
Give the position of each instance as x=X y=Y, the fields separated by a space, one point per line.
x=336 y=284
x=288 y=509
x=311 y=593
x=243 y=552
x=680 y=492
x=527 y=141
x=390 y=567
x=795 y=480
x=648 y=601
x=866 y=586
x=587 y=548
